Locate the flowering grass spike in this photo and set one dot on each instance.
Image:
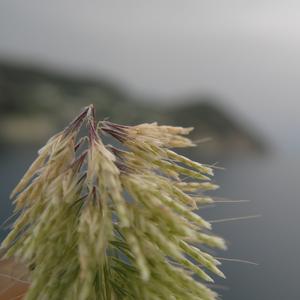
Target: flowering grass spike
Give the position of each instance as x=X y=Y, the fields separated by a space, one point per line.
x=106 y=222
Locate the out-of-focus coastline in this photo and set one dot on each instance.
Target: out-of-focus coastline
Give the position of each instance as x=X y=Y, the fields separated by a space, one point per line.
x=35 y=103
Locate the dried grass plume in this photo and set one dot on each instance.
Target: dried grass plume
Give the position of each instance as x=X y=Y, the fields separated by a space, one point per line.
x=101 y=222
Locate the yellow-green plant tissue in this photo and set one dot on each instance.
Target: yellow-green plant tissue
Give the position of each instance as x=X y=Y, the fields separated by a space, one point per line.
x=103 y=222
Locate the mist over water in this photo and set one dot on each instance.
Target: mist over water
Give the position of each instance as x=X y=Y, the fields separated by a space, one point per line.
x=272 y=241
x=246 y=54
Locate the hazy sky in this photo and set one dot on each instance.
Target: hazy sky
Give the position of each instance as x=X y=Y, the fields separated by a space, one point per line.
x=244 y=52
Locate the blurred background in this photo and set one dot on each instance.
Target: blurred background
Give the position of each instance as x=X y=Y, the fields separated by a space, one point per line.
x=231 y=69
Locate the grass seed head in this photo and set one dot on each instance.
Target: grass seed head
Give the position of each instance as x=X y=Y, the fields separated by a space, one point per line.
x=105 y=223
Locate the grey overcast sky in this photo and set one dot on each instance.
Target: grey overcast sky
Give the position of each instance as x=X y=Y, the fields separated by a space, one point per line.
x=244 y=52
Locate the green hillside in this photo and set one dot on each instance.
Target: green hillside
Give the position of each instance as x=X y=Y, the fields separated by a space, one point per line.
x=35 y=103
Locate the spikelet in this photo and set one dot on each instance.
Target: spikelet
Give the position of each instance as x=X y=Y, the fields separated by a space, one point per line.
x=108 y=223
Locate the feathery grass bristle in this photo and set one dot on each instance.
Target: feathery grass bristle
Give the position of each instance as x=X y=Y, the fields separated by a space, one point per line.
x=106 y=223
